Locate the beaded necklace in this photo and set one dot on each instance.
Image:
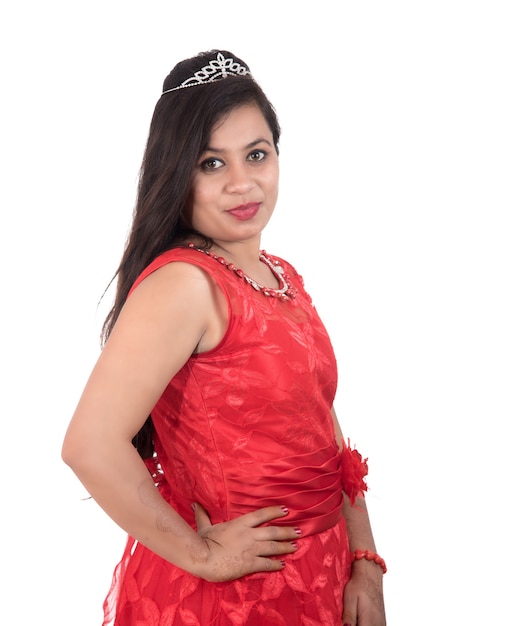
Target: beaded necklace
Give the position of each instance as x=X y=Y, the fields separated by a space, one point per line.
x=285 y=291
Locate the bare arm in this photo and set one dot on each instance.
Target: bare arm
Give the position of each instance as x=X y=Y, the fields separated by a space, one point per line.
x=169 y=314
x=363 y=596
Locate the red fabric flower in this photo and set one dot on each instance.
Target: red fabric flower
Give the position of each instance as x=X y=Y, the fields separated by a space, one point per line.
x=353 y=469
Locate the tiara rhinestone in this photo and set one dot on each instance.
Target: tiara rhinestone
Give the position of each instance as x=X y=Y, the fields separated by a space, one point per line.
x=215 y=70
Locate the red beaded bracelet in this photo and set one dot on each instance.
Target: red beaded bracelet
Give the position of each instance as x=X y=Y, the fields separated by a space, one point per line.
x=369 y=556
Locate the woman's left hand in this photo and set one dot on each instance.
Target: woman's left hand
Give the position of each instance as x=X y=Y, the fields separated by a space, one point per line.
x=363 y=596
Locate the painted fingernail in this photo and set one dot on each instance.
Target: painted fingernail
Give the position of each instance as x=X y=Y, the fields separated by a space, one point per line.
x=294 y=544
x=285 y=509
x=298 y=531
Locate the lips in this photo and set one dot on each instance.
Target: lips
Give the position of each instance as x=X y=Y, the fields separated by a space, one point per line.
x=245 y=211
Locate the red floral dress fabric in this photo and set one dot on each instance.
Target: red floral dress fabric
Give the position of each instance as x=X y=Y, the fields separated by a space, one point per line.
x=243 y=426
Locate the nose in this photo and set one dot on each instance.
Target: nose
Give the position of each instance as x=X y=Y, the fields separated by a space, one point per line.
x=239 y=179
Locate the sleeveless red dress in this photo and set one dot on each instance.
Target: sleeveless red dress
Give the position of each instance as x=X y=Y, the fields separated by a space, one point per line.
x=243 y=426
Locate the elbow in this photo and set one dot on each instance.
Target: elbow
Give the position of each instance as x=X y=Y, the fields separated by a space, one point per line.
x=67 y=453
x=74 y=452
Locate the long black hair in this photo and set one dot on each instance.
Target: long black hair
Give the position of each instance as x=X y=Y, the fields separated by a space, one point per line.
x=179 y=132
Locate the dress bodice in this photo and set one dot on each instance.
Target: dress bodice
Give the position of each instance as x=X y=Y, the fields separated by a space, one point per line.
x=248 y=424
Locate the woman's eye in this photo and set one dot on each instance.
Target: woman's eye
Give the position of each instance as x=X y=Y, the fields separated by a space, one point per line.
x=211 y=164
x=257 y=155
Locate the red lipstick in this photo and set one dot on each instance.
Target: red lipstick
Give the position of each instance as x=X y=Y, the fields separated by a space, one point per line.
x=245 y=211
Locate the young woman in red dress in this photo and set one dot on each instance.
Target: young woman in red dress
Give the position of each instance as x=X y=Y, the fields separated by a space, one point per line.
x=206 y=429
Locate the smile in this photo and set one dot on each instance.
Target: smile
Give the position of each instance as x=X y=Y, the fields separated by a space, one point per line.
x=245 y=211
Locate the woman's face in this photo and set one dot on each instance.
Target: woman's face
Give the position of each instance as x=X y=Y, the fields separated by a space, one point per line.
x=236 y=179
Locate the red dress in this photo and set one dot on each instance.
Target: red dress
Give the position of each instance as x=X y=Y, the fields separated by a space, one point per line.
x=243 y=426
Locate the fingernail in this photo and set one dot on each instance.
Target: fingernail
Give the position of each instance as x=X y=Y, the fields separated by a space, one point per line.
x=295 y=544
x=193 y=506
x=285 y=509
x=298 y=531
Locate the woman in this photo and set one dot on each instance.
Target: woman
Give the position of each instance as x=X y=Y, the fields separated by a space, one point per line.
x=206 y=429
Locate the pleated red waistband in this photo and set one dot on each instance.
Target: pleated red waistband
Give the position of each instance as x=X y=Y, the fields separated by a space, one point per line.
x=308 y=484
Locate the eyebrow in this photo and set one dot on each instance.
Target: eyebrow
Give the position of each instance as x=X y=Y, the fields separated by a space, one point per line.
x=250 y=145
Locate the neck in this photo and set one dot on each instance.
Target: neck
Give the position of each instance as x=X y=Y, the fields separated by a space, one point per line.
x=245 y=256
x=241 y=253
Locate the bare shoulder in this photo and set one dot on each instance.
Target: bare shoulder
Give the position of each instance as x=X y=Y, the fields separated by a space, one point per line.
x=177 y=275
x=181 y=297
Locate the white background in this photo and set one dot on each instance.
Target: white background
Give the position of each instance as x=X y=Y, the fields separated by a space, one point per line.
x=396 y=204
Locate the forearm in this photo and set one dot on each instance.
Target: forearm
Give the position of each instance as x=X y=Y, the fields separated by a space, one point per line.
x=363 y=596
x=366 y=575
x=118 y=480
x=359 y=528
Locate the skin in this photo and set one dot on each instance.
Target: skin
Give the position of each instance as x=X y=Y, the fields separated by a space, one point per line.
x=153 y=337
x=239 y=167
x=363 y=595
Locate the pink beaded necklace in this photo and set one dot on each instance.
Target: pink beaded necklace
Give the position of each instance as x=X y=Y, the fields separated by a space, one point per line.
x=285 y=291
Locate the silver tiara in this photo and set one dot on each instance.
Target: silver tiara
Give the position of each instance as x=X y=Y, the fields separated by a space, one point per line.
x=214 y=70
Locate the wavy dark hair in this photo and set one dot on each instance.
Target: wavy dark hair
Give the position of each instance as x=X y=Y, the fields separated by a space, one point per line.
x=179 y=132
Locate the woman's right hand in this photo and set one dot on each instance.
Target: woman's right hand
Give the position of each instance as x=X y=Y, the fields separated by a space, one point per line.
x=243 y=545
